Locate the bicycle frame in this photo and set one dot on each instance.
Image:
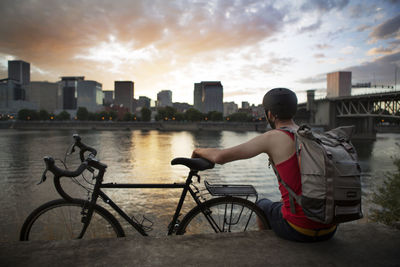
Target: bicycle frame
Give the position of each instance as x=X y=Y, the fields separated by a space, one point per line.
x=98 y=192
x=98 y=169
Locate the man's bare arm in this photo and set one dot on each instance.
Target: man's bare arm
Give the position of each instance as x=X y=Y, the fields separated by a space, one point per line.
x=252 y=148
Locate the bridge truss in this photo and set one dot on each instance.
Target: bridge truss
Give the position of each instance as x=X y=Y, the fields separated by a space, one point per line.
x=382 y=106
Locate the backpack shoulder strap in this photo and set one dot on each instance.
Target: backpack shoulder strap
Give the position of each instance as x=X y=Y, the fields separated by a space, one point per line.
x=292 y=194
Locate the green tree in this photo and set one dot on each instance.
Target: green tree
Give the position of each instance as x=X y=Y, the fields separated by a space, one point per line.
x=112 y=115
x=44 y=115
x=92 y=116
x=146 y=114
x=387 y=197
x=82 y=114
x=193 y=115
x=127 y=116
x=103 y=115
x=23 y=114
x=179 y=116
x=35 y=115
x=240 y=117
x=215 y=116
x=27 y=115
x=166 y=113
x=170 y=112
x=63 y=116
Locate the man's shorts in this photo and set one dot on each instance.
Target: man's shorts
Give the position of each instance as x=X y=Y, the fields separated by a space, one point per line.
x=281 y=227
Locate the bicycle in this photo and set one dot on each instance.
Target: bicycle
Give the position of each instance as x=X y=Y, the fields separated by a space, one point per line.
x=72 y=218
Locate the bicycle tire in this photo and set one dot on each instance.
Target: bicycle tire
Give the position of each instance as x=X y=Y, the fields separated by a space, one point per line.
x=62 y=220
x=238 y=215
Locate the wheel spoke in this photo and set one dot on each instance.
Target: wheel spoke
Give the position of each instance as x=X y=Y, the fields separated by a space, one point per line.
x=62 y=220
x=225 y=214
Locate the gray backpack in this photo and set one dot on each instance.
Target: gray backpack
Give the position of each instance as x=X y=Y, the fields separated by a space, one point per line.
x=330 y=175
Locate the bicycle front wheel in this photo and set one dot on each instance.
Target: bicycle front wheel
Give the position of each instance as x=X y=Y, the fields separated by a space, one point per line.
x=224 y=214
x=63 y=220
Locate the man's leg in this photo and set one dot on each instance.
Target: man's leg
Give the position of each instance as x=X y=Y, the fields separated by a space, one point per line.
x=280 y=226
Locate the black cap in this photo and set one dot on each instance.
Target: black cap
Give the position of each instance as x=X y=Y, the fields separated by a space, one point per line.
x=282 y=103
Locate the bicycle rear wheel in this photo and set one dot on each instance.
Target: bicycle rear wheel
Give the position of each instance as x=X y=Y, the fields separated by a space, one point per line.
x=62 y=220
x=224 y=214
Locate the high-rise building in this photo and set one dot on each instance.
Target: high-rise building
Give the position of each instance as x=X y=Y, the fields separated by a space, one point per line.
x=144 y=102
x=338 y=84
x=230 y=108
x=19 y=71
x=19 y=74
x=46 y=95
x=108 y=97
x=3 y=95
x=208 y=96
x=197 y=97
x=69 y=86
x=164 y=98
x=14 y=90
x=90 y=95
x=124 y=93
x=181 y=107
x=245 y=105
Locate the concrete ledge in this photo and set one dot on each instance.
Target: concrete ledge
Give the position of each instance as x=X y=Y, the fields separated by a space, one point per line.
x=354 y=245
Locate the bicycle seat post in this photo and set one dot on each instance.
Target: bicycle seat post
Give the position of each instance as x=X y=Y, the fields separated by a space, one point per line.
x=181 y=200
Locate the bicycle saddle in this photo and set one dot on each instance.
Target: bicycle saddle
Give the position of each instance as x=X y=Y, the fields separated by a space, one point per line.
x=195 y=164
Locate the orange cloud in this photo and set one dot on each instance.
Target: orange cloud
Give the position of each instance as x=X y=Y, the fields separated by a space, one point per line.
x=380 y=51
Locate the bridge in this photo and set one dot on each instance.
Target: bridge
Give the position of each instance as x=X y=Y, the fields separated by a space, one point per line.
x=366 y=112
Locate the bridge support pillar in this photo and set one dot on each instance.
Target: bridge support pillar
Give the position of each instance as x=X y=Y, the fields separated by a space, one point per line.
x=365 y=127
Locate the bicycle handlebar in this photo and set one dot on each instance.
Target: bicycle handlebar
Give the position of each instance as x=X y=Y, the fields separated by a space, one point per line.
x=83 y=148
x=87 y=164
x=50 y=165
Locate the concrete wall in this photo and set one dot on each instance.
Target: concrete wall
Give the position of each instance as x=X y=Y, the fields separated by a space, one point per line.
x=353 y=245
x=322 y=113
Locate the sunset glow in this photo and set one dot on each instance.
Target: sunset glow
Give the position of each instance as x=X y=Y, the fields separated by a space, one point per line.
x=250 y=46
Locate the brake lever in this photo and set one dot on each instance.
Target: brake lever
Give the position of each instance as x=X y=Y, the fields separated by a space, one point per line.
x=43 y=179
x=72 y=150
x=91 y=156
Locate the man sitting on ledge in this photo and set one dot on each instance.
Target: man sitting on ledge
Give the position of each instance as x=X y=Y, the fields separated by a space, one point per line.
x=280 y=106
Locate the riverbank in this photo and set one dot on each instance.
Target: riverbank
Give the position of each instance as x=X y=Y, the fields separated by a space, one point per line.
x=353 y=245
x=134 y=125
x=166 y=126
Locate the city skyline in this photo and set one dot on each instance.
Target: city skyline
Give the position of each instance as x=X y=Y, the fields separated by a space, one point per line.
x=250 y=46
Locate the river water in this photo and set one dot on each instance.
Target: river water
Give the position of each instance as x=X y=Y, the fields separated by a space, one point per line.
x=144 y=157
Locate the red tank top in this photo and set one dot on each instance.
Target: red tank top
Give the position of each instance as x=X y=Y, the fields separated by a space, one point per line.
x=289 y=171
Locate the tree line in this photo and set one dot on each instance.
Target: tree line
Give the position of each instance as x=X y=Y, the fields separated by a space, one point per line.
x=163 y=114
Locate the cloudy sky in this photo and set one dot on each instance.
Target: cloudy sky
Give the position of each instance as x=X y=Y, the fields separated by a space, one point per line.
x=248 y=45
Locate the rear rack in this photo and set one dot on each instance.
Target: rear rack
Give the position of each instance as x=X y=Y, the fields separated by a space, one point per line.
x=231 y=190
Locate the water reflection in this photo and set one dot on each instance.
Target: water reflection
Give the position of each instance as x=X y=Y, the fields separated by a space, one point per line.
x=364 y=150
x=144 y=157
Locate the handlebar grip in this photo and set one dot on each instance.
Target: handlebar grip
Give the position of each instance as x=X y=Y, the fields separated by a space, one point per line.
x=50 y=164
x=85 y=148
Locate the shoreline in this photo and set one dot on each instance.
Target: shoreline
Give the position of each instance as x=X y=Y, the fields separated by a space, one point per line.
x=165 y=126
x=137 y=125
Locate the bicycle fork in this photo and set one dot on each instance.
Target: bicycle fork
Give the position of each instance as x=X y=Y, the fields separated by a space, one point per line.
x=88 y=207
